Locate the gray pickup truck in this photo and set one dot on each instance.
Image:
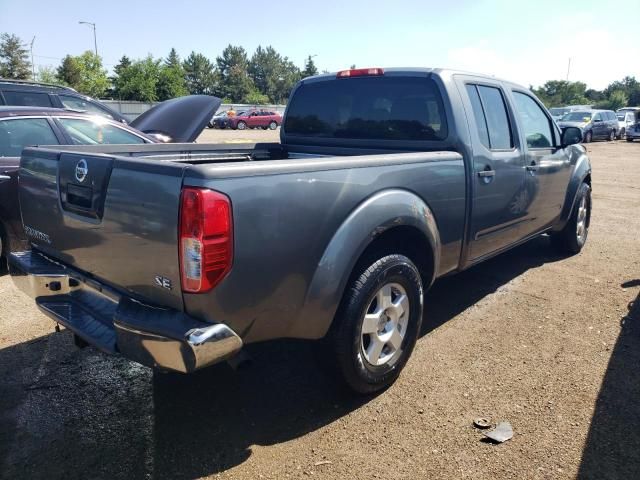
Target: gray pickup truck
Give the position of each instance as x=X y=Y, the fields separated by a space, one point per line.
x=175 y=256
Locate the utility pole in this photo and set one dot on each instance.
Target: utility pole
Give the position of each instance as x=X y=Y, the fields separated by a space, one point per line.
x=33 y=65
x=568 y=68
x=95 y=42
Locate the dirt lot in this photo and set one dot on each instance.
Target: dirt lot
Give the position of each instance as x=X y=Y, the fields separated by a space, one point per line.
x=238 y=136
x=550 y=344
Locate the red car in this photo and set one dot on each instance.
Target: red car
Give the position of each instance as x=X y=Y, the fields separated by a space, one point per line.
x=255 y=119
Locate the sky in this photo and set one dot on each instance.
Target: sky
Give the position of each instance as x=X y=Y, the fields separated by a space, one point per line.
x=526 y=42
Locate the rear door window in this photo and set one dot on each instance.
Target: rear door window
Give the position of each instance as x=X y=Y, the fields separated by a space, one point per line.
x=27 y=99
x=495 y=111
x=15 y=134
x=380 y=108
x=82 y=105
x=478 y=115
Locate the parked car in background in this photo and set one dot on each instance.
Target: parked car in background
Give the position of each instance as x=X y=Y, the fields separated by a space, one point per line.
x=180 y=119
x=626 y=119
x=558 y=112
x=255 y=119
x=594 y=124
x=221 y=120
x=36 y=94
x=383 y=181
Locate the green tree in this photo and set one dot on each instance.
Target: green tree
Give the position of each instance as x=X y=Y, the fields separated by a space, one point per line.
x=310 y=68
x=69 y=72
x=200 y=74
x=256 y=98
x=272 y=74
x=48 y=75
x=124 y=63
x=171 y=82
x=139 y=80
x=84 y=73
x=616 y=99
x=93 y=77
x=558 y=93
x=235 y=83
x=629 y=86
x=14 y=59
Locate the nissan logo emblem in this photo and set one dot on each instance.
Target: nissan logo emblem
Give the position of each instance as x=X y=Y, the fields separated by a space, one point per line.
x=81 y=170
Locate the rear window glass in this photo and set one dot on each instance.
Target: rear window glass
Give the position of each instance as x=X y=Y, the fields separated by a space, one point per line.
x=384 y=108
x=27 y=99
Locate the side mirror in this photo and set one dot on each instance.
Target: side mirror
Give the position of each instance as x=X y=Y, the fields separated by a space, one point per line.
x=571 y=136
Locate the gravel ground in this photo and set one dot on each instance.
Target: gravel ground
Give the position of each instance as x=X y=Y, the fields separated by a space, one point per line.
x=550 y=344
x=213 y=135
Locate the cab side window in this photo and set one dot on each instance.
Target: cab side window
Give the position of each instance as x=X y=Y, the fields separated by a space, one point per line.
x=89 y=132
x=535 y=123
x=490 y=113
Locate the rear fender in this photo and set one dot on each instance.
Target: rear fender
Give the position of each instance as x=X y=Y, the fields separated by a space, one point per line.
x=379 y=213
x=581 y=171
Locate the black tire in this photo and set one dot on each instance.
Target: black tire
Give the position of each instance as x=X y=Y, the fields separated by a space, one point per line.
x=264 y=128
x=629 y=139
x=588 y=137
x=612 y=135
x=621 y=134
x=568 y=240
x=273 y=125
x=209 y=125
x=241 y=125
x=346 y=339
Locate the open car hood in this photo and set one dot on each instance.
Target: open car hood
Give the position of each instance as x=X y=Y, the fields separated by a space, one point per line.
x=182 y=119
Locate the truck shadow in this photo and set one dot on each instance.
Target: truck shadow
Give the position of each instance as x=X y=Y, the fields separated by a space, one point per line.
x=612 y=449
x=105 y=417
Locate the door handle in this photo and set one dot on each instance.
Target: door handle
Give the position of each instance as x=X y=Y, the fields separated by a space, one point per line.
x=533 y=168
x=487 y=174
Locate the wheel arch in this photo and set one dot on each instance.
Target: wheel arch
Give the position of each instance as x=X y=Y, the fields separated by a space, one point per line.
x=391 y=221
x=581 y=174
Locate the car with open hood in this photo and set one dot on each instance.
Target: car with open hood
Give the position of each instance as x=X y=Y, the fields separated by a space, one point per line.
x=177 y=120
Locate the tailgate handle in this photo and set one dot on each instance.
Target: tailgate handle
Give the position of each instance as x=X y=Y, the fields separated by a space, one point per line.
x=79 y=196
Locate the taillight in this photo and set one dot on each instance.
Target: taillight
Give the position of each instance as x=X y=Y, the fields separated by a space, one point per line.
x=206 y=239
x=360 y=72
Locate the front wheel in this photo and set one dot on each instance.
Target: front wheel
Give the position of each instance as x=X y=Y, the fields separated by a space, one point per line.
x=612 y=135
x=241 y=125
x=573 y=236
x=621 y=134
x=273 y=125
x=629 y=139
x=588 y=137
x=377 y=324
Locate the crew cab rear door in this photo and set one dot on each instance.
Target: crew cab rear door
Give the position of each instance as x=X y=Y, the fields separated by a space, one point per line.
x=500 y=197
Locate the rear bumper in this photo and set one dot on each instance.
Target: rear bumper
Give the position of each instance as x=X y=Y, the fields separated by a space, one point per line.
x=150 y=335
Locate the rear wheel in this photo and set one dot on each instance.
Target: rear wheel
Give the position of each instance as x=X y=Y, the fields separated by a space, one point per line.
x=612 y=135
x=573 y=236
x=629 y=139
x=242 y=125
x=377 y=324
x=588 y=137
x=273 y=125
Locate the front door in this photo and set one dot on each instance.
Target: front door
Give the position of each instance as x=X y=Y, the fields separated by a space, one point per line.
x=547 y=164
x=498 y=173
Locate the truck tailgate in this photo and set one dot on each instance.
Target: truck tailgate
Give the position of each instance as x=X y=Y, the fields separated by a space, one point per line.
x=113 y=219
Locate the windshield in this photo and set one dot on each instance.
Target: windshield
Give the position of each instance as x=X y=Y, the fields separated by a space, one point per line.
x=577 y=117
x=558 y=112
x=382 y=108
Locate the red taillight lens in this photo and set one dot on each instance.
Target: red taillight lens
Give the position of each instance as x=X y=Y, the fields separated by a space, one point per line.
x=206 y=239
x=360 y=72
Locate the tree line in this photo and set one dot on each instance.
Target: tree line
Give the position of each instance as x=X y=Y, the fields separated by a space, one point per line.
x=264 y=77
x=618 y=94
